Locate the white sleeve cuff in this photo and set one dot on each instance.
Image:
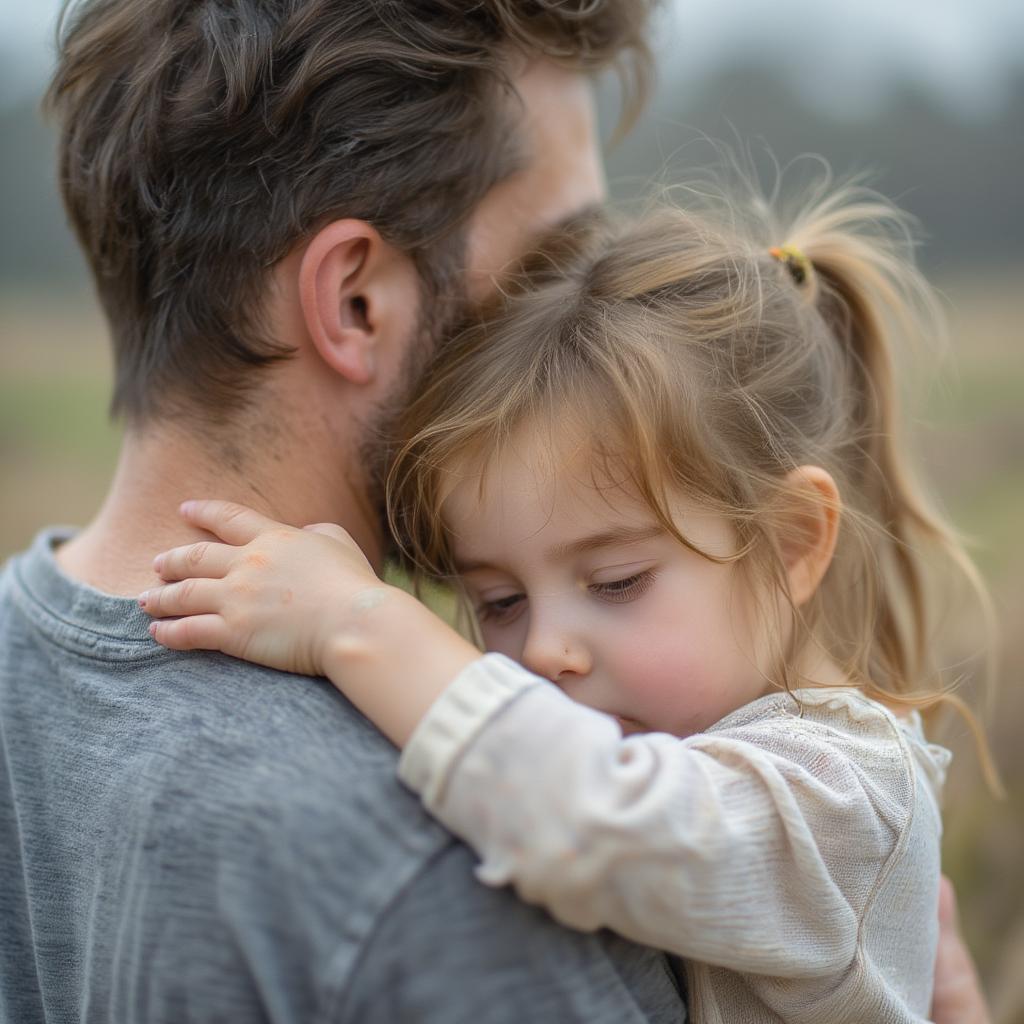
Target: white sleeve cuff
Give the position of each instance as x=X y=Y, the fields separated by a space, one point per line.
x=478 y=693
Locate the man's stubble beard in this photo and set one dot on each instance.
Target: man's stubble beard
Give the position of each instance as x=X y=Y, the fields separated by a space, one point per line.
x=439 y=320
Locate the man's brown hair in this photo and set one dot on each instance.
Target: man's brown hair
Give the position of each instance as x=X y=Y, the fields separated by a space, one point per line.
x=202 y=139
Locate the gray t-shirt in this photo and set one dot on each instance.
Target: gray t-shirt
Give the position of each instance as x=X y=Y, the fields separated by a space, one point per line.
x=185 y=837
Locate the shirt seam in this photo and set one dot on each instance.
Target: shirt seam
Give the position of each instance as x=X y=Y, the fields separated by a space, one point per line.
x=336 y=1008
x=888 y=866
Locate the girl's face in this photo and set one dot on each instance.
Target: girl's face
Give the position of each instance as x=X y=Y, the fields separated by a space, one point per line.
x=577 y=580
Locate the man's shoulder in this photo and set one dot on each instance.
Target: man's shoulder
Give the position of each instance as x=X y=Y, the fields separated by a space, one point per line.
x=231 y=823
x=327 y=851
x=220 y=748
x=244 y=831
x=286 y=754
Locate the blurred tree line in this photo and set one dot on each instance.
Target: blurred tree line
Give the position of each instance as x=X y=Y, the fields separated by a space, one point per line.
x=959 y=174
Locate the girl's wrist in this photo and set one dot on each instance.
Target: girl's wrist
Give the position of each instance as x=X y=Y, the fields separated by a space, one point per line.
x=393 y=658
x=365 y=625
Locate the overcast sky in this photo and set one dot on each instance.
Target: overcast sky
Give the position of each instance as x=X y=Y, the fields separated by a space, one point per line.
x=842 y=53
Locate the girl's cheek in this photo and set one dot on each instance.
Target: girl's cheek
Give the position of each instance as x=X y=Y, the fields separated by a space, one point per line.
x=672 y=683
x=683 y=663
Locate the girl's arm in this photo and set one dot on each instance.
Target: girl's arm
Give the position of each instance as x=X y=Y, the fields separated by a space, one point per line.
x=305 y=601
x=715 y=848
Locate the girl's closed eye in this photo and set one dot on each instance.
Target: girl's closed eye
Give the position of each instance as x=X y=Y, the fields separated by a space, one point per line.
x=624 y=589
x=501 y=609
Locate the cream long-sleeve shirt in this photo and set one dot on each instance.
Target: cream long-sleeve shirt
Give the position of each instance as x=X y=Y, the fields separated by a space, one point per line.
x=790 y=853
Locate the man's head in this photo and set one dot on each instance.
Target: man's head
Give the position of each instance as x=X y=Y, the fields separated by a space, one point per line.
x=242 y=174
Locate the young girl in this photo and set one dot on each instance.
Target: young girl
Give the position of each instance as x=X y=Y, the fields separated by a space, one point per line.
x=668 y=478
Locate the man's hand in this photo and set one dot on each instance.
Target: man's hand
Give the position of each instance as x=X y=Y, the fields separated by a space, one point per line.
x=958 y=998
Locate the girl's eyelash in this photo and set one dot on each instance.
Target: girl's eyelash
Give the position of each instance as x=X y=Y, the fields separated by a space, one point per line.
x=627 y=589
x=500 y=609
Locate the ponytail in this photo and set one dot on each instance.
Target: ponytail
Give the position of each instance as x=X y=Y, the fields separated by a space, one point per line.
x=862 y=279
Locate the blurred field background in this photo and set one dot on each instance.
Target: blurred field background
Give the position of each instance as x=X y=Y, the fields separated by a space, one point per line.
x=929 y=100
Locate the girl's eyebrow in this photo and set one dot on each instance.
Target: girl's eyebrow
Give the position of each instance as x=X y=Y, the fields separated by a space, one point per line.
x=591 y=542
x=606 y=538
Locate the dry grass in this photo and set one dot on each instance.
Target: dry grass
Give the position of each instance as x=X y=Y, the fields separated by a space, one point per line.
x=57 y=450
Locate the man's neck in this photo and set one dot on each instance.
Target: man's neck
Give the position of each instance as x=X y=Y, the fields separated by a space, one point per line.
x=158 y=471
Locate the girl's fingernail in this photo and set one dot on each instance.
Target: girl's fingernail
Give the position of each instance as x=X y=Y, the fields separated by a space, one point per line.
x=143 y=597
x=158 y=563
x=187 y=507
x=152 y=629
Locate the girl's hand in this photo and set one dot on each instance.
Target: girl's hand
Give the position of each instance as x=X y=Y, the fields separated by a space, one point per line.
x=305 y=601
x=270 y=593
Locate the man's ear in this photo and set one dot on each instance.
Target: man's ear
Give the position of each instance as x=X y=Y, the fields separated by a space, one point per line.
x=359 y=298
x=810 y=529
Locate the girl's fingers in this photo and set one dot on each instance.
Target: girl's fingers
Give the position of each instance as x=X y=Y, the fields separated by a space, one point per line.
x=197 y=632
x=947 y=903
x=237 y=524
x=206 y=558
x=332 y=530
x=189 y=597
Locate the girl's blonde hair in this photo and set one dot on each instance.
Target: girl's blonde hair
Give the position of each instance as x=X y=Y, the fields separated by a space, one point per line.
x=695 y=359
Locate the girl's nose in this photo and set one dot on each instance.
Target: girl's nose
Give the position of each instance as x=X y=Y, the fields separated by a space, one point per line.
x=555 y=654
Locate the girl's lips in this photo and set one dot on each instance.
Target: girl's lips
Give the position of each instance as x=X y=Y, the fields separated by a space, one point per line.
x=629 y=726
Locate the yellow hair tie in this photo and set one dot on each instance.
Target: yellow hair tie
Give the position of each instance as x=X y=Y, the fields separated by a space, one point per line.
x=798 y=265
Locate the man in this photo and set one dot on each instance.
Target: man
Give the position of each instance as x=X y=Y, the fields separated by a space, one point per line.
x=283 y=203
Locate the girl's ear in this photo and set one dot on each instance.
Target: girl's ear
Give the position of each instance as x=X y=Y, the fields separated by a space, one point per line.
x=810 y=529
x=359 y=298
